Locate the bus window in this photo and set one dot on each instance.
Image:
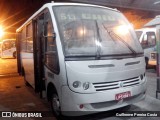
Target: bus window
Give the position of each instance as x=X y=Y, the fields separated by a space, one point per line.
x=23 y=40
x=149 y=40
x=51 y=58
x=29 y=38
x=8 y=48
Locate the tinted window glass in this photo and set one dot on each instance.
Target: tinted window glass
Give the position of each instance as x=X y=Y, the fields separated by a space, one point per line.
x=51 y=57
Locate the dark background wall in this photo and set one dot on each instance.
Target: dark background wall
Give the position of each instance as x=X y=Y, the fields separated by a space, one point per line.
x=13 y=13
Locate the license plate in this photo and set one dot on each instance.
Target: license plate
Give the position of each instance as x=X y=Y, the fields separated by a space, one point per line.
x=123 y=95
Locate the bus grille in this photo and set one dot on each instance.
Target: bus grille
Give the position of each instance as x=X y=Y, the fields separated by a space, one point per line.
x=116 y=84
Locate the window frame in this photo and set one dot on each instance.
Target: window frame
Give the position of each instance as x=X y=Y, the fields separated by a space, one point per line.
x=56 y=68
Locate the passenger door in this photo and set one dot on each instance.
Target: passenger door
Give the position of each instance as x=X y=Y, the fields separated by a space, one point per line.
x=38 y=24
x=51 y=56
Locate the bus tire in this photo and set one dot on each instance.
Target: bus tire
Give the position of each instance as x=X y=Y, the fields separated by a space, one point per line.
x=14 y=54
x=55 y=104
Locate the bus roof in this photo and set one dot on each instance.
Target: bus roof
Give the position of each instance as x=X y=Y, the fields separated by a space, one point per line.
x=49 y=5
x=146 y=29
x=8 y=40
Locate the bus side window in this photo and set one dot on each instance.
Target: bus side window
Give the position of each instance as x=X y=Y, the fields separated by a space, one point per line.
x=23 y=40
x=144 y=41
x=151 y=37
x=51 y=55
x=29 y=40
x=149 y=40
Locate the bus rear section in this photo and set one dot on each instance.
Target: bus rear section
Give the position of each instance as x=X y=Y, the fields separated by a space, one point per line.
x=8 y=48
x=86 y=58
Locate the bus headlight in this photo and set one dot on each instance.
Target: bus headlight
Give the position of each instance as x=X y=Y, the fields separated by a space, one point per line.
x=86 y=85
x=76 y=84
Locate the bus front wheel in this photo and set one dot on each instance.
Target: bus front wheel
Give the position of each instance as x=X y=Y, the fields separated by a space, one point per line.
x=55 y=104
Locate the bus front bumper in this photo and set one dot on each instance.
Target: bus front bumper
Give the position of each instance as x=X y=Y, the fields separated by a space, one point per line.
x=76 y=104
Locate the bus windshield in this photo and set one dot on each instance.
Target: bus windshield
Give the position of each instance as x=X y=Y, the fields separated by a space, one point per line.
x=8 y=44
x=95 y=31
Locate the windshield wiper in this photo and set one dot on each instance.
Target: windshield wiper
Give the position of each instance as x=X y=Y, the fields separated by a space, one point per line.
x=98 y=40
x=119 y=38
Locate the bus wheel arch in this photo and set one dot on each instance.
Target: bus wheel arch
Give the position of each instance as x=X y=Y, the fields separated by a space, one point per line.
x=53 y=98
x=14 y=54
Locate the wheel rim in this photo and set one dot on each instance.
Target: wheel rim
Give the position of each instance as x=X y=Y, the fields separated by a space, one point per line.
x=56 y=104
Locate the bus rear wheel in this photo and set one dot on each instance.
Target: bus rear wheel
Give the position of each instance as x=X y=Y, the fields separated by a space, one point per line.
x=14 y=54
x=55 y=104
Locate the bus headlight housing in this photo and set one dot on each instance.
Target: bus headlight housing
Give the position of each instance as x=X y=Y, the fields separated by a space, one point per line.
x=86 y=85
x=82 y=86
x=76 y=84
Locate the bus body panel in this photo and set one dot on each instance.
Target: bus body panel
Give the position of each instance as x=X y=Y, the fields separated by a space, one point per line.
x=9 y=52
x=28 y=66
x=102 y=73
x=72 y=98
x=100 y=101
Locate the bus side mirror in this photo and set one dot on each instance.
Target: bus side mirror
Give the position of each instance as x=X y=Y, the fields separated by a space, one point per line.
x=53 y=35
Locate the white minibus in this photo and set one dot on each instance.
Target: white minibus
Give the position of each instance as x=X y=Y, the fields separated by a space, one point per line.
x=84 y=58
x=8 y=48
x=147 y=38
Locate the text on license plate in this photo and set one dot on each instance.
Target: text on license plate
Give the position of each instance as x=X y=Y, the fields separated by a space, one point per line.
x=123 y=95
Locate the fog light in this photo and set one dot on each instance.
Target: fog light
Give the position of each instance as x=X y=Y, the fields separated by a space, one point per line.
x=85 y=85
x=76 y=84
x=81 y=106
